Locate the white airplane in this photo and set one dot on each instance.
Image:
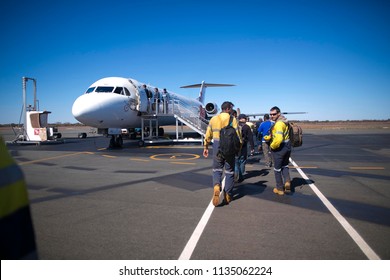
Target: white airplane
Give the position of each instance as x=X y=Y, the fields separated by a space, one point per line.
x=112 y=104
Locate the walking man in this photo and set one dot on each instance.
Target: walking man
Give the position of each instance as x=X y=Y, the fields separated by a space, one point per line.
x=281 y=151
x=219 y=162
x=247 y=138
x=262 y=131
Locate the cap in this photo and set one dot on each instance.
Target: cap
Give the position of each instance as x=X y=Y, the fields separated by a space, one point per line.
x=242 y=116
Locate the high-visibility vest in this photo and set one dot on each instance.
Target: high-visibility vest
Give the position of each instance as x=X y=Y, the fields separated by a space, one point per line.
x=279 y=132
x=216 y=124
x=17 y=238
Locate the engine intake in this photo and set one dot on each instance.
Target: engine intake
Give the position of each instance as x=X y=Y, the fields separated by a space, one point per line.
x=211 y=109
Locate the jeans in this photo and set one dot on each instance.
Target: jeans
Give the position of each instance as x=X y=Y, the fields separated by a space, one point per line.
x=240 y=168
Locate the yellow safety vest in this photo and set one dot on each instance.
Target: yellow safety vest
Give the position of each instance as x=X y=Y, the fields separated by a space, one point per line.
x=17 y=239
x=216 y=124
x=279 y=134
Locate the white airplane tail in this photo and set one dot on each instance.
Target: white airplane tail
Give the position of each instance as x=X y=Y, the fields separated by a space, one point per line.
x=203 y=87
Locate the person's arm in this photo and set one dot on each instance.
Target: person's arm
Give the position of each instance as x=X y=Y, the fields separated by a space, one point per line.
x=277 y=135
x=207 y=140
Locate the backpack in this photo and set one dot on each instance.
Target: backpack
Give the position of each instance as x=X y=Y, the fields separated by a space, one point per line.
x=229 y=142
x=295 y=134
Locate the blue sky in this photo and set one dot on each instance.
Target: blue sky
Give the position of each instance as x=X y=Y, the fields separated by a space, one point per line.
x=330 y=58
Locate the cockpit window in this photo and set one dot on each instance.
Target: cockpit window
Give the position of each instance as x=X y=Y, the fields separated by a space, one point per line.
x=119 y=90
x=104 y=89
x=127 y=92
x=90 y=90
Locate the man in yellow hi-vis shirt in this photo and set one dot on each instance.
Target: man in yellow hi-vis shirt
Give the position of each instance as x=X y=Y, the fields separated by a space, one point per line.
x=17 y=238
x=219 y=163
x=281 y=151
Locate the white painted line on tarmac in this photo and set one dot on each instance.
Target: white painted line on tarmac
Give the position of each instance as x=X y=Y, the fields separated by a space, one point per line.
x=371 y=255
x=191 y=244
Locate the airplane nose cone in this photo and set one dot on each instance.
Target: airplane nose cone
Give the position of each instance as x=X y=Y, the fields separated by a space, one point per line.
x=77 y=110
x=85 y=109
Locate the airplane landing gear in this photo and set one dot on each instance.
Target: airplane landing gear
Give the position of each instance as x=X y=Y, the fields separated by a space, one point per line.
x=141 y=143
x=116 y=141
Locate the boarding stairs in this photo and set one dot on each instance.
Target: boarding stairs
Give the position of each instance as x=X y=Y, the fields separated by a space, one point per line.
x=189 y=118
x=178 y=109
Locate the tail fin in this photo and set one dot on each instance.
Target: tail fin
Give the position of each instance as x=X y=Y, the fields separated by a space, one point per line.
x=203 y=87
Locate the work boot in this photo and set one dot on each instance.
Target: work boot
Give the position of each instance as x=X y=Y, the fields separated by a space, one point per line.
x=287 y=187
x=279 y=192
x=227 y=197
x=217 y=191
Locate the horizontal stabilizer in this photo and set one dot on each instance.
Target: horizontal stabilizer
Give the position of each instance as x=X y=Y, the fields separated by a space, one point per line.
x=207 y=85
x=203 y=87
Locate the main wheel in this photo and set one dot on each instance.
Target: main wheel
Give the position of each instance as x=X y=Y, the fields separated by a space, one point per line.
x=141 y=143
x=160 y=131
x=119 y=141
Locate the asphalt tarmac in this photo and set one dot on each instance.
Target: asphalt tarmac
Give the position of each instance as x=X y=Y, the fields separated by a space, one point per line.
x=154 y=202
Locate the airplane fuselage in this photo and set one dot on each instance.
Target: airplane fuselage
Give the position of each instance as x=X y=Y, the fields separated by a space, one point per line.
x=119 y=103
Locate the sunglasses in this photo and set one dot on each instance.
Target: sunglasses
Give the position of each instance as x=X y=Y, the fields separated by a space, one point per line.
x=274 y=114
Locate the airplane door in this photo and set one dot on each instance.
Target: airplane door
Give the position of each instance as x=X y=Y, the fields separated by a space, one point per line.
x=143 y=101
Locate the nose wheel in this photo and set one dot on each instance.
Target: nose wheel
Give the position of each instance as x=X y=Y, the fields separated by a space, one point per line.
x=116 y=141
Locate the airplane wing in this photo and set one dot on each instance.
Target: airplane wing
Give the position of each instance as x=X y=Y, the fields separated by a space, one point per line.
x=283 y=113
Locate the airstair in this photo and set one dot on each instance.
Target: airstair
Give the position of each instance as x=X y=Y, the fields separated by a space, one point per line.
x=177 y=109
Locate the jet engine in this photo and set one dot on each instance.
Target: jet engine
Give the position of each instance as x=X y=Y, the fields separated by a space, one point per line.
x=211 y=109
